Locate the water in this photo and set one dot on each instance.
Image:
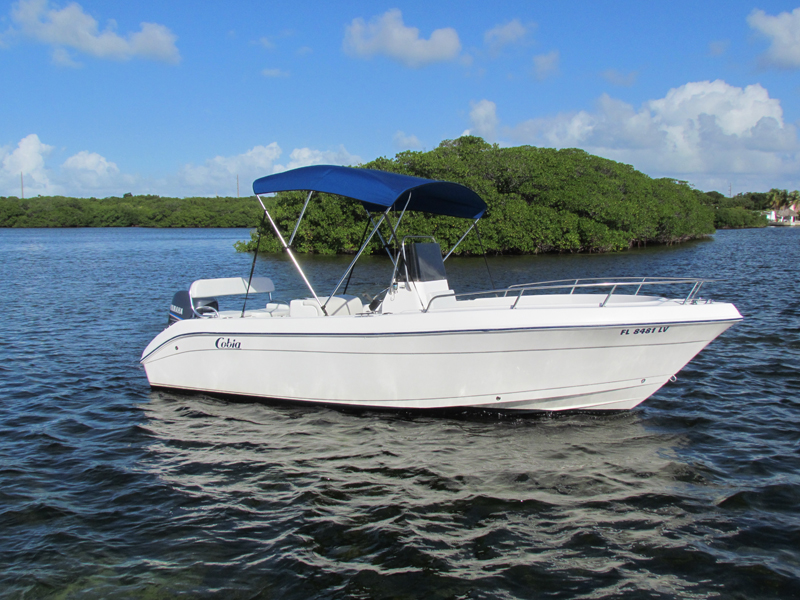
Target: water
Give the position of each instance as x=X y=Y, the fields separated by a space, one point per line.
x=111 y=490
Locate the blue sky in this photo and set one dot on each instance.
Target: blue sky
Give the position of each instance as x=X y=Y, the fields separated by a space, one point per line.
x=178 y=98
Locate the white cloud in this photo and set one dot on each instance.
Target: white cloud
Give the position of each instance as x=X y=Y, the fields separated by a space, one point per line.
x=83 y=174
x=217 y=176
x=91 y=162
x=274 y=73
x=784 y=33
x=701 y=131
x=718 y=47
x=62 y=58
x=270 y=42
x=502 y=35
x=483 y=120
x=406 y=142
x=93 y=174
x=387 y=35
x=545 y=65
x=614 y=77
x=88 y=173
x=303 y=157
x=72 y=28
x=266 y=42
x=28 y=159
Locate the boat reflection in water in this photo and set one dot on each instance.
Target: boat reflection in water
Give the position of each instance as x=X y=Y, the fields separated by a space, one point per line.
x=331 y=493
x=591 y=344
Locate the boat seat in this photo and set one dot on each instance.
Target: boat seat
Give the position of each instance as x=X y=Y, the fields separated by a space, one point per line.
x=337 y=306
x=230 y=286
x=277 y=309
x=273 y=309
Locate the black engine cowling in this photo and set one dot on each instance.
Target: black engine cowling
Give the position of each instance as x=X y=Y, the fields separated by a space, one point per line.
x=181 y=307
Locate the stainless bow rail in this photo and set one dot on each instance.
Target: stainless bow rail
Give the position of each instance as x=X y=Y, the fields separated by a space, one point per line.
x=520 y=289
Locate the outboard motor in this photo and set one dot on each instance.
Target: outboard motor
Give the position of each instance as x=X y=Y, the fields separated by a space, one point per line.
x=181 y=307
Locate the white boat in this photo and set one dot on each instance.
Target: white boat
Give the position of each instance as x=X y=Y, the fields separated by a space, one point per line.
x=548 y=346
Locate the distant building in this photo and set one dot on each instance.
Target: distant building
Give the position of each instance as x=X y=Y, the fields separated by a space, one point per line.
x=787 y=216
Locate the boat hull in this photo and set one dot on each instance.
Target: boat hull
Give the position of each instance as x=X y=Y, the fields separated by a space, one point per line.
x=510 y=360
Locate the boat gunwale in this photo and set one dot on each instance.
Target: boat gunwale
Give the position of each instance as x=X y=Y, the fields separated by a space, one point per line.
x=425 y=333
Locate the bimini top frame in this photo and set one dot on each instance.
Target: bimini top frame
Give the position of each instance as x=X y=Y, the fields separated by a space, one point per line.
x=378 y=191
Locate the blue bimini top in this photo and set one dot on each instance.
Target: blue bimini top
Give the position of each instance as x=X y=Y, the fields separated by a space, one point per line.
x=378 y=190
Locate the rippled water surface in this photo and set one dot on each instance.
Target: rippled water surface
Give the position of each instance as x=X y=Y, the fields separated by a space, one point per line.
x=111 y=490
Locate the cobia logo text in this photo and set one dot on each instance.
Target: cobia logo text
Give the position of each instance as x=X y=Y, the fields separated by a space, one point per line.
x=228 y=343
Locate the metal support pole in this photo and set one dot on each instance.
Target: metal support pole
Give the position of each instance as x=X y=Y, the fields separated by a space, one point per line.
x=253 y=266
x=485 y=260
x=353 y=262
x=383 y=241
x=461 y=239
x=640 y=286
x=291 y=256
x=363 y=237
x=609 y=296
x=300 y=218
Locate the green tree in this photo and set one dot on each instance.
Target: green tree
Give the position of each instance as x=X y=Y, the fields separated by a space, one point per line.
x=539 y=200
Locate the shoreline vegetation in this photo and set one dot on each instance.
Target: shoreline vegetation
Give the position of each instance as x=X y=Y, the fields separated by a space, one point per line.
x=539 y=200
x=129 y=211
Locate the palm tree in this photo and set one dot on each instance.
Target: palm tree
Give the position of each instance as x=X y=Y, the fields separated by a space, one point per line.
x=794 y=198
x=778 y=198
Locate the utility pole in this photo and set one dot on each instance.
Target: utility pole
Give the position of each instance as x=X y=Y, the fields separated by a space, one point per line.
x=21 y=186
x=730 y=190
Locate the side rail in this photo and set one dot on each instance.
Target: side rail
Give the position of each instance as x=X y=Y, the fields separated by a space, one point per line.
x=613 y=286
